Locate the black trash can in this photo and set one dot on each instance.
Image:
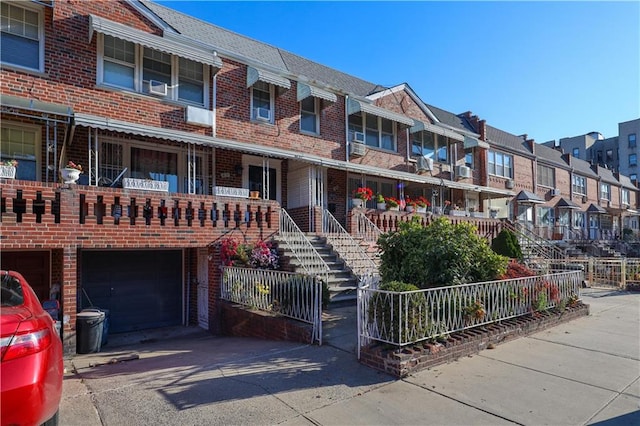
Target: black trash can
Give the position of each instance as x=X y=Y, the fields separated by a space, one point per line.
x=105 y=323
x=89 y=325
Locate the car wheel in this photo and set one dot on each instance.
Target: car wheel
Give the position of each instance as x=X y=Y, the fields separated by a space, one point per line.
x=53 y=421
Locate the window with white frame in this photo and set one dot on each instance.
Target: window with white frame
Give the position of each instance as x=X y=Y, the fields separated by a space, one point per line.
x=579 y=185
x=624 y=197
x=546 y=176
x=430 y=145
x=546 y=216
x=125 y=65
x=605 y=191
x=309 y=115
x=21 y=143
x=379 y=132
x=468 y=157
x=500 y=164
x=22 y=35
x=378 y=186
x=262 y=102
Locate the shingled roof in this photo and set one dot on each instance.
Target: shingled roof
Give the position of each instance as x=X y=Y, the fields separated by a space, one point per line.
x=507 y=140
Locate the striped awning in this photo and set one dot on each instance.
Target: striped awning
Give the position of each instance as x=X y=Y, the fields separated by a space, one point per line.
x=11 y=101
x=420 y=126
x=256 y=74
x=105 y=26
x=354 y=106
x=306 y=90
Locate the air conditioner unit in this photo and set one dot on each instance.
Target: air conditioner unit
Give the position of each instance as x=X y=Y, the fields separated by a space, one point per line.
x=358 y=149
x=584 y=199
x=263 y=114
x=424 y=164
x=157 y=88
x=555 y=192
x=358 y=137
x=463 y=171
x=509 y=184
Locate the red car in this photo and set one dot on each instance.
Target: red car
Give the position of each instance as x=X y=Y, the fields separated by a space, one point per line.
x=31 y=363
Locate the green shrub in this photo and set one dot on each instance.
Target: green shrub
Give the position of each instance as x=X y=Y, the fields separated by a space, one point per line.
x=506 y=244
x=384 y=310
x=441 y=254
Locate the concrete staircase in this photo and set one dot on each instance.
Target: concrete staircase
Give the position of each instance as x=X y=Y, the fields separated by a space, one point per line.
x=342 y=283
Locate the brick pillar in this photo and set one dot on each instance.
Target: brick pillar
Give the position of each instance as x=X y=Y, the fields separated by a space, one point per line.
x=69 y=296
x=215 y=282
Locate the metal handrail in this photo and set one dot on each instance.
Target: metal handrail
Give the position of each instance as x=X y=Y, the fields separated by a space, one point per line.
x=349 y=250
x=366 y=229
x=301 y=247
x=530 y=240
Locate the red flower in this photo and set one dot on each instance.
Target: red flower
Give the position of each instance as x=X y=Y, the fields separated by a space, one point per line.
x=364 y=193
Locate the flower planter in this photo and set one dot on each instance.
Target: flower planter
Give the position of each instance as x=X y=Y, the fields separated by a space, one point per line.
x=8 y=172
x=421 y=209
x=394 y=208
x=356 y=202
x=70 y=175
x=381 y=206
x=254 y=195
x=409 y=209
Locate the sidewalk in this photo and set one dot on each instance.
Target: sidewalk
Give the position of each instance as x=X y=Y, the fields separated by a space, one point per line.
x=583 y=372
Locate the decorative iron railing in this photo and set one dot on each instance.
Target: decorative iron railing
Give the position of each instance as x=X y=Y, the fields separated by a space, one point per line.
x=409 y=317
x=349 y=250
x=534 y=246
x=292 y=295
x=301 y=247
x=366 y=230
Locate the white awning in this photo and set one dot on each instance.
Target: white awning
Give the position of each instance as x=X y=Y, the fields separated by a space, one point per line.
x=267 y=151
x=257 y=74
x=306 y=90
x=420 y=126
x=124 y=32
x=355 y=105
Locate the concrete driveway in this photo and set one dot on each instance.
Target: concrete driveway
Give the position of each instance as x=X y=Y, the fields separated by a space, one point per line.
x=583 y=372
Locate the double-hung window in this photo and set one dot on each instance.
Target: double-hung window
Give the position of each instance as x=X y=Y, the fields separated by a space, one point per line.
x=21 y=143
x=379 y=132
x=430 y=145
x=579 y=185
x=624 y=197
x=576 y=152
x=605 y=191
x=633 y=160
x=309 y=115
x=129 y=66
x=22 y=36
x=262 y=102
x=500 y=164
x=546 y=176
x=632 y=140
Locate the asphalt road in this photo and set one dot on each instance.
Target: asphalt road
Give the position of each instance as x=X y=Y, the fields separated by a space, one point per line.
x=584 y=372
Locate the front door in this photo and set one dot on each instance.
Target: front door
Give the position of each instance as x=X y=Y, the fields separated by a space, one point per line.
x=203 y=289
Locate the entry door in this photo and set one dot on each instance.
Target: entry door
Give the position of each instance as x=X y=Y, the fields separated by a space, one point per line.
x=594 y=227
x=203 y=289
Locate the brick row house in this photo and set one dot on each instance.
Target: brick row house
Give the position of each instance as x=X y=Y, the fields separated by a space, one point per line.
x=177 y=122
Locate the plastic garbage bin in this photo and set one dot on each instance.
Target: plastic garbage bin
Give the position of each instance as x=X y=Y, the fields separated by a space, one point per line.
x=89 y=325
x=105 y=323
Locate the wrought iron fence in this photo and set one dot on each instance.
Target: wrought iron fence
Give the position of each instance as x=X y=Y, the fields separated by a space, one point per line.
x=409 y=317
x=292 y=295
x=301 y=247
x=616 y=273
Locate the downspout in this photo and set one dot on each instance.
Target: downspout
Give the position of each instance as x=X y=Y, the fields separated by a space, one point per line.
x=346 y=130
x=214 y=104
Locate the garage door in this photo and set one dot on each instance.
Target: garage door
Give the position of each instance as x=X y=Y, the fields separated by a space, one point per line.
x=141 y=289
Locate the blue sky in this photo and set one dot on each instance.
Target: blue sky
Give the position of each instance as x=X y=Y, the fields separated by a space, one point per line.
x=547 y=69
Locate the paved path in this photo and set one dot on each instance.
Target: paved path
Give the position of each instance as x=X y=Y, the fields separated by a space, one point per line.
x=583 y=372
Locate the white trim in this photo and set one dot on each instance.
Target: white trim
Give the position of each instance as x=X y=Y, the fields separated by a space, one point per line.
x=37 y=130
x=39 y=9
x=252 y=160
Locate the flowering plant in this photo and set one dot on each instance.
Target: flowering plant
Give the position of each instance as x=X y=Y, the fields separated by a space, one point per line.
x=12 y=163
x=392 y=202
x=264 y=256
x=379 y=198
x=364 y=193
x=72 y=165
x=422 y=202
x=411 y=202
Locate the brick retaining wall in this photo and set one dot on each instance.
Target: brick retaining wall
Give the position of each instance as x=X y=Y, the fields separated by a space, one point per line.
x=411 y=359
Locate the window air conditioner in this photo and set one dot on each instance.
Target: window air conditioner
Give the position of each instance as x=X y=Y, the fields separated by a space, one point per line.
x=358 y=149
x=463 y=171
x=509 y=184
x=555 y=192
x=157 y=88
x=263 y=114
x=424 y=164
x=358 y=137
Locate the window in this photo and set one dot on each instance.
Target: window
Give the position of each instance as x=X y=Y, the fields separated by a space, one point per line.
x=633 y=160
x=546 y=216
x=22 y=36
x=500 y=164
x=126 y=65
x=379 y=132
x=378 y=186
x=576 y=152
x=430 y=145
x=262 y=102
x=579 y=185
x=468 y=157
x=633 y=177
x=624 y=197
x=21 y=143
x=155 y=165
x=599 y=157
x=632 y=140
x=546 y=176
x=605 y=191
x=609 y=156
x=309 y=117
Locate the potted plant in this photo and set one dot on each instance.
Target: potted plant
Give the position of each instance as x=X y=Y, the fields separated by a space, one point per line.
x=392 y=203
x=410 y=205
x=8 y=169
x=71 y=172
x=421 y=204
x=361 y=196
x=381 y=204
